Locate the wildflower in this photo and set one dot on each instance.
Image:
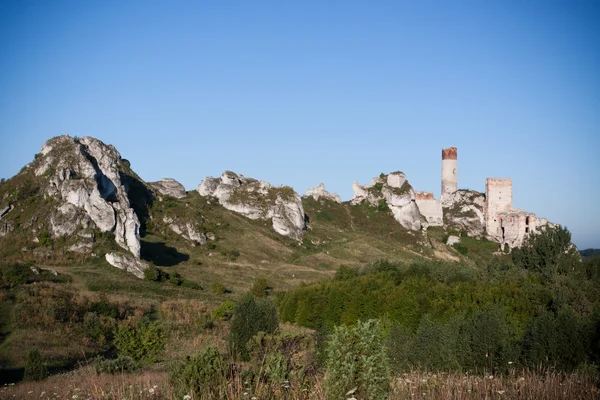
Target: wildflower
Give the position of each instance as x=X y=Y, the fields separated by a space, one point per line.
x=245 y=393
x=500 y=391
x=187 y=397
x=491 y=377
x=151 y=390
x=31 y=391
x=510 y=362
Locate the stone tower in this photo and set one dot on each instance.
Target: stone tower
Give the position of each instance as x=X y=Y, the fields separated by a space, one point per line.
x=449 y=172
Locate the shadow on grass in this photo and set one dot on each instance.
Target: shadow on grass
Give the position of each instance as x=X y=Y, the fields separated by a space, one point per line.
x=161 y=254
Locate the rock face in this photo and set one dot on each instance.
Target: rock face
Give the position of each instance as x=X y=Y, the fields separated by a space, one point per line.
x=84 y=175
x=185 y=229
x=258 y=200
x=320 y=193
x=169 y=187
x=452 y=240
x=127 y=263
x=396 y=192
x=466 y=212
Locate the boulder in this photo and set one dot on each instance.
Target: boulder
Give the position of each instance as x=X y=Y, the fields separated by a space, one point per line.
x=452 y=240
x=169 y=187
x=128 y=263
x=319 y=192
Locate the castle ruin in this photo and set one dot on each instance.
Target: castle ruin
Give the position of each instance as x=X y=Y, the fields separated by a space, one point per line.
x=503 y=223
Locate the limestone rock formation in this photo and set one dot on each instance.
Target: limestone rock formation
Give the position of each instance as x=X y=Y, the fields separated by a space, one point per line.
x=452 y=240
x=466 y=212
x=127 y=263
x=258 y=200
x=169 y=187
x=186 y=229
x=84 y=176
x=320 y=193
x=397 y=193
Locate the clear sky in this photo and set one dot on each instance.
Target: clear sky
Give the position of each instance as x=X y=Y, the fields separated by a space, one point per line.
x=303 y=92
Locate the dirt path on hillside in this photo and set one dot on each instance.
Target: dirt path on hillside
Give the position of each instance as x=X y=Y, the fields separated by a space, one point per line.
x=349 y=216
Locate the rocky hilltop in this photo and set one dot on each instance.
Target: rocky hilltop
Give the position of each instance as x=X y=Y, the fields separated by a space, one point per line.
x=258 y=200
x=79 y=199
x=394 y=191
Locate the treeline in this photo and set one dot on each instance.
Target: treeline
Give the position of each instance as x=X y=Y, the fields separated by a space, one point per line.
x=542 y=309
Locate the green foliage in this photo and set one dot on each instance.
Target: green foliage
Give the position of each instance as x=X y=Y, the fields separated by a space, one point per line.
x=175 y=279
x=45 y=239
x=218 y=288
x=548 y=252
x=560 y=340
x=35 y=368
x=144 y=341
x=250 y=317
x=259 y=288
x=203 y=374
x=15 y=274
x=356 y=359
x=95 y=328
x=225 y=311
x=152 y=274
x=116 y=366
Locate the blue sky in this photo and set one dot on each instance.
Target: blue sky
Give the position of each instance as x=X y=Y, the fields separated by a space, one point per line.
x=299 y=93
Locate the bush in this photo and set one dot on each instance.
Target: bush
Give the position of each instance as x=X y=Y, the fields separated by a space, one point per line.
x=225 y=311
x=15 y=274
x=175 y=279
x=152 y=274
x=203 y=374
x=356 y=359
x=144 y=342
x=94 y=328
x=35 y=368
x=250 y=317
x=218 y=288
x=191 y=285
x=259 y=288
x=117 y=366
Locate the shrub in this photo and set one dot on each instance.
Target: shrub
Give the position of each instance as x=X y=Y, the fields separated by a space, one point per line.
x=250 y=317
x=143 y=342
x=191 y=285
x=152 y=274
x=35 y=368
x=116 y=366
x=218 y=288
x=224 y=312
x=259 y=288
x=15 y=274
x=93 y=327
x=203 y=374
x=175 y=279
x=356 y=359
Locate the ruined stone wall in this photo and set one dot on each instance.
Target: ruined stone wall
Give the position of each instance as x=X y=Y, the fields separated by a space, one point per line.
x=498 y=199
x=430 y=208
x=515 y=227
x=449 y=171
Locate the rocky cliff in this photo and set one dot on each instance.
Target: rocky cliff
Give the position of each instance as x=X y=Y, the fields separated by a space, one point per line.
x=258 y=200
x=81 y=184
x=394 y=191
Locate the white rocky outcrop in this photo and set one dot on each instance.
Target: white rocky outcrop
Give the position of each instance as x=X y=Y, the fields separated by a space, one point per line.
x=169 y=187
x=84 y=175
x=466 y=212
x=319 y=192
x=397 y=193
x=185 y=229
x=452 y=240
x=258 y=200
x=127 y=263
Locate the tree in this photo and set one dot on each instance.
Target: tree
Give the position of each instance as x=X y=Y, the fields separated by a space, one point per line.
x=547 y=252
x=35 y=368
x=250 y=317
